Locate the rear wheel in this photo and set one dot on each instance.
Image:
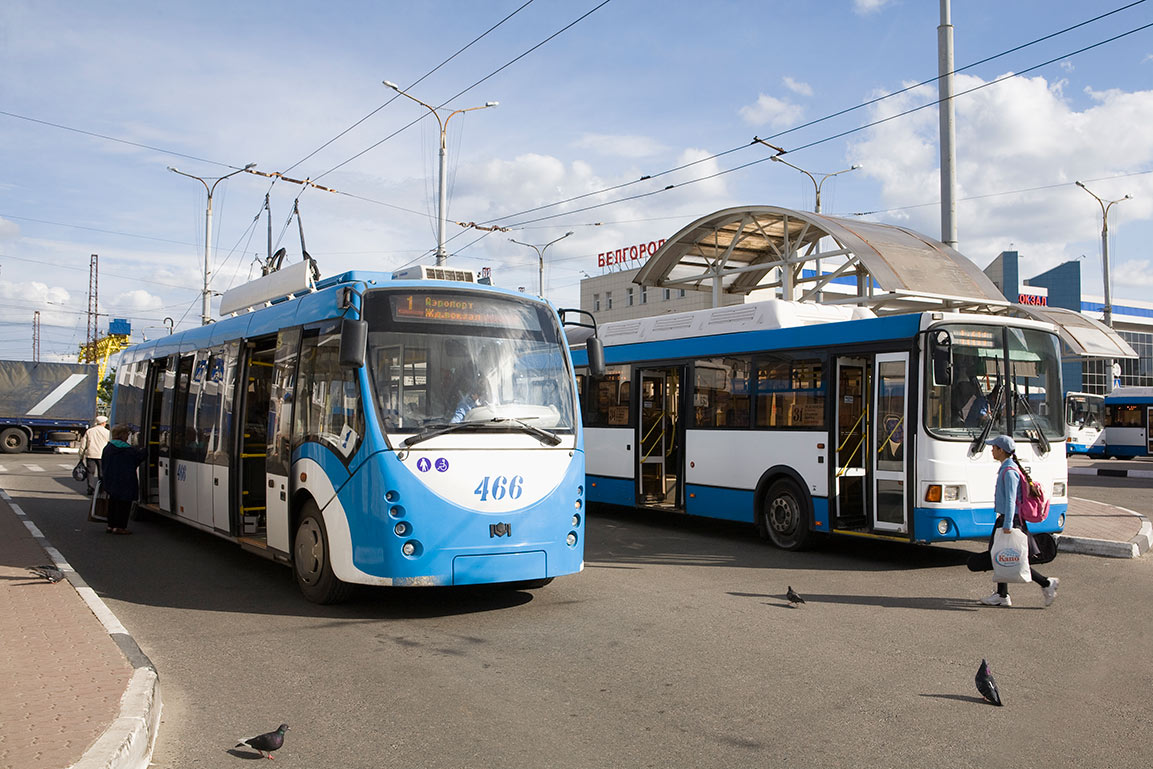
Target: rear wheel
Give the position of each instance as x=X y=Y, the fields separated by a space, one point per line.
x=311 y=563
x=785 y=515
x=13 y=441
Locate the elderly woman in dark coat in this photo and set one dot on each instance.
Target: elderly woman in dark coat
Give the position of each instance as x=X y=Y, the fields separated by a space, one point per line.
x=119 y=478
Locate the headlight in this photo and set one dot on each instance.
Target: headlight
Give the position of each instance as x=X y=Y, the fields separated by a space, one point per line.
x=1059 y=489
x=954 y=494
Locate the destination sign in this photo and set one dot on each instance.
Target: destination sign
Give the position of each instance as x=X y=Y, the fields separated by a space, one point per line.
x=442 y=307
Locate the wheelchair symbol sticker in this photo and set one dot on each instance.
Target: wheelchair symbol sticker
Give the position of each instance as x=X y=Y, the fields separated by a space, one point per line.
x=423 y=464
x=441 y=465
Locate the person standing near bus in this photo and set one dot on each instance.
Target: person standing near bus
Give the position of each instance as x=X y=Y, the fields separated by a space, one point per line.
x=92 y=445
x=1005 y=506
x=120 y=481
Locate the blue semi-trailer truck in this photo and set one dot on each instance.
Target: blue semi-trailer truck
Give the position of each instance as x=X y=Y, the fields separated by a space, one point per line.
x=45 y=405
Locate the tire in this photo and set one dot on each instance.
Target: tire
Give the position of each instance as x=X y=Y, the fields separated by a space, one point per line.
x=63 y=436
x=310 y=560
x=785 y=516
x=13 y=440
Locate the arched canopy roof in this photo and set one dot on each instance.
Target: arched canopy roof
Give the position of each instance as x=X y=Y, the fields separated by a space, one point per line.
x=735 y=250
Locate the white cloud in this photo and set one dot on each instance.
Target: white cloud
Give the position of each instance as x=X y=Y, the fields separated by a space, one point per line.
x=1018 y=135
x=865 y=7
x=9 y=230
x=771 y=111
x=624 y=146
x=1135 y=272
x=797 y=87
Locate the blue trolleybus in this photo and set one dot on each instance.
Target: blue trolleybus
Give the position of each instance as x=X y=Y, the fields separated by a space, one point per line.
x=368 y=430
x=1128 y=417
x=805 y=419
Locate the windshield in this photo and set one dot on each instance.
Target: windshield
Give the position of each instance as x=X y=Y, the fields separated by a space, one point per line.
x=974 y=391
x=441 y=357
x=1082 y=410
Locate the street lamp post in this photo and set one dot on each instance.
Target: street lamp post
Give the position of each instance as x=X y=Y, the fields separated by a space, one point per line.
x=817 y=201
x=205 y=307
x=1107 y=312
x=442 y=212
x=540 y=256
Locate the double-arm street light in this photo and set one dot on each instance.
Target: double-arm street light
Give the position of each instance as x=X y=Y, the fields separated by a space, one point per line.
x=1107 y=312
x=816 y=184
x=442 y=212
x=205 y=309
x=540 y=256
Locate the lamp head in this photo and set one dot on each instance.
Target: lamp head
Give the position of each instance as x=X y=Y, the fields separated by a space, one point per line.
x=1079 y=184
x=492 y=104
x=249 y=166
x=391 y=85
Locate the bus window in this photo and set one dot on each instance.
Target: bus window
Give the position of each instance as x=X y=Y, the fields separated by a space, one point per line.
x=608 y=400
x=790 y=393
x=721 y=397
x=328 y=402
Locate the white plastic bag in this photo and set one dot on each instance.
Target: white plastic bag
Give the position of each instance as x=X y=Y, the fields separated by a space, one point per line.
x=1010 y=556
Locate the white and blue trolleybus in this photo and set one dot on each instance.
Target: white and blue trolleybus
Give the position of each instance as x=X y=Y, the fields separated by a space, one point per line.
x=1085 y=421
x=369 y=430
x=1128 y=418
x=805 y=418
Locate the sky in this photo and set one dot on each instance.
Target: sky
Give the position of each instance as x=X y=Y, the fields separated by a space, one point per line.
x=99 y=99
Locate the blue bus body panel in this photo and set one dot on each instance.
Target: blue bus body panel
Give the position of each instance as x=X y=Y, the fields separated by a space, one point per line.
x=1126 y=451
x=446 y=532
x=977 y=523
x=612 y=491
x=717 y=502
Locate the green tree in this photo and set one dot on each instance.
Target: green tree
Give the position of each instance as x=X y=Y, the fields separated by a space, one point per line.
x=104 y=393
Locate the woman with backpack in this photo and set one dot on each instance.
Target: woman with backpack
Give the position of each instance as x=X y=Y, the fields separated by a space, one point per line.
x=1005 y=497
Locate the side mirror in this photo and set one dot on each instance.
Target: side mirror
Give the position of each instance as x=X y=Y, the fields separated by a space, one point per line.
x=596 y=353
x=942 y=357
x=353 y=343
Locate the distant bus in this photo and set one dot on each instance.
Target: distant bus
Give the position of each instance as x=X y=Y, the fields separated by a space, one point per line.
x=807 y=419
x=1085 y=420
x=1128 y=416
x=336 y=430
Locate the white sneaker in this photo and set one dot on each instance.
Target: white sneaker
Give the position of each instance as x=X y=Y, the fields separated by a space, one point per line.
x=1050 y=592
x=999 y=600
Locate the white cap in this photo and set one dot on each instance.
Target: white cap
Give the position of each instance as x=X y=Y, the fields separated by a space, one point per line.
x=101 y=420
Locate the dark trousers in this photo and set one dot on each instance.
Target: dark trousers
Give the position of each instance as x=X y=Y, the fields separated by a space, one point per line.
x=118 y=511
x=1038 y=577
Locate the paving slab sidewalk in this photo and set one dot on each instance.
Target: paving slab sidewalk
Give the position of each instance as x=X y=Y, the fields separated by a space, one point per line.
x=75 y=691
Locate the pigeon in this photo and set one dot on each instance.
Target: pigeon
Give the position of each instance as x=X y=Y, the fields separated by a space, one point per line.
x=794 y=599
x=50 y=573
x=986 y=685
x=266 y=743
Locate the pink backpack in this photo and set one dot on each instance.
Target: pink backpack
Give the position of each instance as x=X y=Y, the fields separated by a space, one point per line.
x=1032 y=504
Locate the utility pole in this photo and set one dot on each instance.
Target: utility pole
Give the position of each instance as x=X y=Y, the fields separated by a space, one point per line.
x=93 y=304
x=36 y=336
x=948 y=129
x=442 y=209
x=1107 y=312
x=540 y=258
x=206 y=298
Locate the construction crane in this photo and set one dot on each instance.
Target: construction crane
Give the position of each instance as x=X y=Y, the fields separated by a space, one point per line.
x=101 y=350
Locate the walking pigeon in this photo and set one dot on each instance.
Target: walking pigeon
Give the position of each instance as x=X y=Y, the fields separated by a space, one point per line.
x=794 y=599
x=986 y=685
x=266 y=743
x=50 y=573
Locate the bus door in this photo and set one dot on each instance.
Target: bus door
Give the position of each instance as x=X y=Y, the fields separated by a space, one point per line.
x=1149 y=429
x=660 y=461
x=279 y=463
x=890 y=412
x=255 y=376
x=182 y=478
x=851 y=449
x=156 y=434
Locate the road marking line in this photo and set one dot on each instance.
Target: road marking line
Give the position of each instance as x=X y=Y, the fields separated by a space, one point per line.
x=35 y=468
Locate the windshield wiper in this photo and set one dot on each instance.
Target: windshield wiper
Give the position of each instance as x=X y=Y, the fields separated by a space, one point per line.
x=994 y=409
x=436 y=430
x=545 y=436
x=1042 y=439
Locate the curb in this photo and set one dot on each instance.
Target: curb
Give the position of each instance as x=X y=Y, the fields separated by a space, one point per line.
x=1110 y=472
x=127 y=743
x=1134 y=548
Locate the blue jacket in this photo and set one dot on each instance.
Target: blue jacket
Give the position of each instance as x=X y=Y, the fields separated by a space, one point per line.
x=118 y=470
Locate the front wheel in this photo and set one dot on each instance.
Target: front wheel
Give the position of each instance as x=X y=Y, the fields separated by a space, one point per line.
x=785 y=516
x=311 y=562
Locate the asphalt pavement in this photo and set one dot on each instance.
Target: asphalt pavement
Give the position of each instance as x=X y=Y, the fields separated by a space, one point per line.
x=78 y=692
